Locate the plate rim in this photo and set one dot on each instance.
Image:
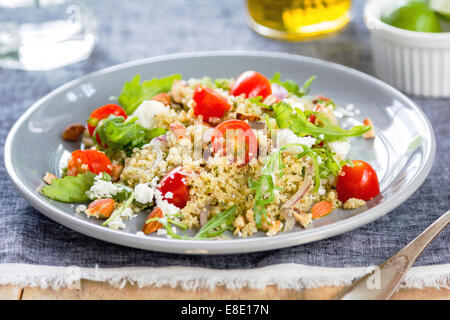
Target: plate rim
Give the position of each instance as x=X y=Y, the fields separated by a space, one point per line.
x=213 y=246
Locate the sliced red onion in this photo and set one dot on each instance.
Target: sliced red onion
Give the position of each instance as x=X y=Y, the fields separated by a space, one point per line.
x=204 y=216
x=158 y=143
x=279 y=91
x=302 y=190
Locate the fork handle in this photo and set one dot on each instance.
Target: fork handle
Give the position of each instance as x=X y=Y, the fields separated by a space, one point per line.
x=391 y=272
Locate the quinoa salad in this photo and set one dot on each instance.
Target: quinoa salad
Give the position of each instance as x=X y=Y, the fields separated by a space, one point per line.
x=200 y=157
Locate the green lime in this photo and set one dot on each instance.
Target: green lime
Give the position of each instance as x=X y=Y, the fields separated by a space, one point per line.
x=416 y=15
x=442 y=7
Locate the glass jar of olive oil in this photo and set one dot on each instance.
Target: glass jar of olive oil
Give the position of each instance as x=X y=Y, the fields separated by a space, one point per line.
x=296 y=20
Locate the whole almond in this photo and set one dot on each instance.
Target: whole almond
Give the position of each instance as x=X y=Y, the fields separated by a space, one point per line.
x=73 y=132
x=153 y=226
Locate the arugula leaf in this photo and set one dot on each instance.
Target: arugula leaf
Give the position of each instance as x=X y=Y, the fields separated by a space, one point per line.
x=223 y=83
x=298 y=123
x=291 y=86
x=118 y=134
x=70 y=189
x=258 y=101
x=217 y=225
x=214 y=228
x=266 y=188
x=329 y=166
x=308 y=152
x=134 y=93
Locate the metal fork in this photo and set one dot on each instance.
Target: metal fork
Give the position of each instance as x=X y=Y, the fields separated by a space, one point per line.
x=392 y=271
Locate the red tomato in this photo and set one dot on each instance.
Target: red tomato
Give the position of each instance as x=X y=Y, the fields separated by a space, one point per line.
x=244 y=137
x=359 y=181
x=252 y=84
x=174 y=182
x=78 y=163
x=209 y=104
x=88 y=160
x=102 y=113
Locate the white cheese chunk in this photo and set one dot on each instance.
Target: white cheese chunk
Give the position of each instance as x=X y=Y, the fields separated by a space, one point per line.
x=295 y=104
x=102 y=189
x=286 y=136
x=147 y=111
x=340 y=148
x=143 y=193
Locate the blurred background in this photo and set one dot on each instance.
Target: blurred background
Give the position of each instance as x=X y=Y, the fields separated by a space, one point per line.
x=134 y=29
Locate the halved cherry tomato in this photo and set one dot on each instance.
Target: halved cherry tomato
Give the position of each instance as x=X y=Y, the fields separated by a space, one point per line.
x=243 y=137
x=252 y=84
x=102 y=113
x=174 y=189
x=88 y=160
x=210 y=104
x=359 y=181
x=78 y=163
x=312 y=118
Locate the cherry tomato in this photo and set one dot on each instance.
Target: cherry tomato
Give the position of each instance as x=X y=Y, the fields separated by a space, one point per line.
x=102 y=113
x=244 y=137
x=359 y=181
x=252 y=84
x=78 y=163
x=312 y=118
x=210 y=104
x=174 y=189
x=88 y=160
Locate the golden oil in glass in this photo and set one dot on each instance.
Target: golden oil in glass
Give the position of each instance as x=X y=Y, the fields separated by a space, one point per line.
x=298 y=19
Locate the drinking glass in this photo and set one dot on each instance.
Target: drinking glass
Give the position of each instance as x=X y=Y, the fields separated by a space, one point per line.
x=45 y=34
x=296 y=20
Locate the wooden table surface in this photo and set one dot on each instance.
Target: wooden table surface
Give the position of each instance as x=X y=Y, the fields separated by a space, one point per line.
x=96 y=290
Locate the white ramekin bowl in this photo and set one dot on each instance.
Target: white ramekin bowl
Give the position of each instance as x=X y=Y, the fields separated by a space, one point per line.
x=417 y=63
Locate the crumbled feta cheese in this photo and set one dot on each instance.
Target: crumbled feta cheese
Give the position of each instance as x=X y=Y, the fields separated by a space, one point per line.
x=140 y=234
x=161 y=232
x=147 y=111
x=295 y=104
x=143 y=193
x=102 y=189
x=169 y=195
x=321 y=136
x=322 y=191
x=286 y=136
x=154 y=182
x=81 y=208
x=167 y=208
x=127 y=213
x=340 y=148
x=117 y=224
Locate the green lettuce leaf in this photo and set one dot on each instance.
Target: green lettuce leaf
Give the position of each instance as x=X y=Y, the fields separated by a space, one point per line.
x=292 y=86
x=297 y=121
x=120 y=135
x=135 y=92
x=70 y=189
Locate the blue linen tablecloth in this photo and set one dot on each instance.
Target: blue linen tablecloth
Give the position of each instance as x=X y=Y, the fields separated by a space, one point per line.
x=134 y=29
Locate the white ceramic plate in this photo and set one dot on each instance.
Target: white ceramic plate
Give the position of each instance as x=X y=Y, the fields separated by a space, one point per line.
x=402 y=153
